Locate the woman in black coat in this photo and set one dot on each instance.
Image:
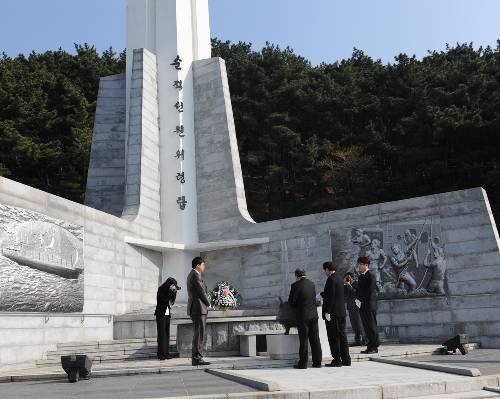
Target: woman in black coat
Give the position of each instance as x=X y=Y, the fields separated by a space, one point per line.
x=165 y=298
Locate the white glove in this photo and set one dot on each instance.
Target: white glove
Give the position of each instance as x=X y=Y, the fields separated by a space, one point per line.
x=328 y=317
x=358 y=303
x=318 y=296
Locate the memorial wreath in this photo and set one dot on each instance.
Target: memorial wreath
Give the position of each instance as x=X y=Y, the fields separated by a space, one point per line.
x=225 y=296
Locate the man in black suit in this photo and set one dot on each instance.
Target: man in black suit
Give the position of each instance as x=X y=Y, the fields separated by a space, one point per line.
x=303 y=300
x=350 y=287
x=198 y=304
x=165 y=298
x=334 y=314
x=367 y=300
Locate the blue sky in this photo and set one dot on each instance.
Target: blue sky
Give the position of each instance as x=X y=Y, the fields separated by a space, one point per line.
x=321 y=30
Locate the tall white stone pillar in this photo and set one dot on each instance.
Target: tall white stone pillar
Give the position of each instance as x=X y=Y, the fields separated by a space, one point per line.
x=178 y=33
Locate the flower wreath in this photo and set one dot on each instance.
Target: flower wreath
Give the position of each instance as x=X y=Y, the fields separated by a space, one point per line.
x=224 y=295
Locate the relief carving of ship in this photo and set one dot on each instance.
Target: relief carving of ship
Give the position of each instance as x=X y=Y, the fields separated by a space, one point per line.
x=46 y=247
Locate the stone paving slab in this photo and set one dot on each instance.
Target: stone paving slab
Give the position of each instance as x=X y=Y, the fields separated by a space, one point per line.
x=191 y=383
x=462 y=395
x=486 y=360
x=466 y=371
x=394 y=381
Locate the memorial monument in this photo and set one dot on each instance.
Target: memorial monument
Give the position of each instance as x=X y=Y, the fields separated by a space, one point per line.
x=165 y=184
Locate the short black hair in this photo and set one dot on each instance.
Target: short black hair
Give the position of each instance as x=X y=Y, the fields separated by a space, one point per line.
x=363 y=260
x=300 y=272
x=328 y=266
x=197 y=261
x=349 y=274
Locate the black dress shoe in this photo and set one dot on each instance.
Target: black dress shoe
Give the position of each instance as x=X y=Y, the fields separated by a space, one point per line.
x=200 y=363
x=346 y=364
x=370 y=351
x=297 y=366
x=317 y=366
x=333 y=364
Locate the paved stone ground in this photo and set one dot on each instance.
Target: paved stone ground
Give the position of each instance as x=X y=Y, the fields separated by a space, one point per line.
x=486 y=360
x=130 y=387
x=364 y=379
x=395 y=350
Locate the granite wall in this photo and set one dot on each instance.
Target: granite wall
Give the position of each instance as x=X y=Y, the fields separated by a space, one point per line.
x=26 y=337
x=455 y=231
x=118 y=278
x=106 y=175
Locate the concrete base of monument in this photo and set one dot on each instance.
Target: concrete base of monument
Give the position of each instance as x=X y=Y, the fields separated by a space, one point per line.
x=142 y=324
x=229 y=333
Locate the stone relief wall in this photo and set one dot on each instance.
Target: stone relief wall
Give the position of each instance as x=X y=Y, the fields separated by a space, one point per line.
x=41 y=263
x=407 y=258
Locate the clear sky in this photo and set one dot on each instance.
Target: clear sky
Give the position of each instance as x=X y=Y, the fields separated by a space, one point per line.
x=321 y=30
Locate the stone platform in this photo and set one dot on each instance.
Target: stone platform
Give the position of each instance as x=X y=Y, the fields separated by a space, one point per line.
x=364 y=380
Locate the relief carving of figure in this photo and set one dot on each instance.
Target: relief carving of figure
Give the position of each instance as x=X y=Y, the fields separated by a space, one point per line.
x=411 y=241
x=361 y=239
x=400 y=261
x=407 y=258
x=436 y=262
x=378 y=259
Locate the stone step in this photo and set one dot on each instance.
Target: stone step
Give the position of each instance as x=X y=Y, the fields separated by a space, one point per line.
x=151 y=349
x=104 y=348
x=101 y=358
x=461 y=395
x=106 y=351
x=98 y=344
x=107 y=357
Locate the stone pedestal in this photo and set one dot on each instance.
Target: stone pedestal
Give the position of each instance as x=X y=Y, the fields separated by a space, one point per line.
x=248 y=345
x=283 y=347
x=224 y=334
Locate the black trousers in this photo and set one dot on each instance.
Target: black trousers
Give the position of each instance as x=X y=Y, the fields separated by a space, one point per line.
x=369 y=319
x=163 y=335
x=355 y=320
x=199 y=327
x=309 y=331
x=337 y=338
